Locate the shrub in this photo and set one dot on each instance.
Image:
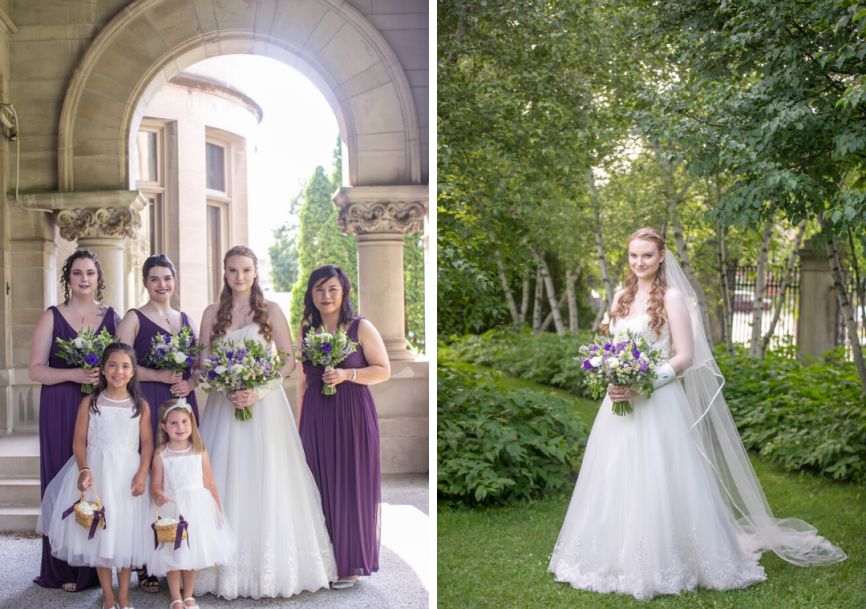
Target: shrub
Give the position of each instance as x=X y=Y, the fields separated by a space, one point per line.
x=542 y=358
x=805 y=416
x=500 y=446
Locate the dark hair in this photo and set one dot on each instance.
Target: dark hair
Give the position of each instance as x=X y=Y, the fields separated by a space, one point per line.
x=312 y=317
x=155 y=261
x=67 y=272
x=257 y=300
x=132 y=387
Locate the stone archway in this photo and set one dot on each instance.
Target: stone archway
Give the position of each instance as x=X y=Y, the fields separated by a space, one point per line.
x=150 y=41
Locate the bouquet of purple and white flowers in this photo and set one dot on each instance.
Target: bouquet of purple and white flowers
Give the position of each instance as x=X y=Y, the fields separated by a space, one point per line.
x=235 y=366
x=85 y=351
x=626 y=359
x=328 y=350
x=175 y=352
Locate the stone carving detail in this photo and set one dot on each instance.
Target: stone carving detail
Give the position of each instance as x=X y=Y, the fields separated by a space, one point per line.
x=111 y=222
x=76 y=223
x=360 y=218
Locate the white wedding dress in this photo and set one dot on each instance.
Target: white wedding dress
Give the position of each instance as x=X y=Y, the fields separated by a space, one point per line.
x=268 y=496
x=645 y=518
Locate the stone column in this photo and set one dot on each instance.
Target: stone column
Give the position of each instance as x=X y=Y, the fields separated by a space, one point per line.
x=816 y=323
x=379 y=217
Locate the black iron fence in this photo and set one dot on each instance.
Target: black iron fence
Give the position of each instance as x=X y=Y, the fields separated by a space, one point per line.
x=742 y=280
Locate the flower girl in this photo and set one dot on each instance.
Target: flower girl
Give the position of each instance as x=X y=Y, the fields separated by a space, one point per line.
x=181 y=473
x=111 y=423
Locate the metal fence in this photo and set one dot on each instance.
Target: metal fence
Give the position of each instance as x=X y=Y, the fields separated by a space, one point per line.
x=742 y=280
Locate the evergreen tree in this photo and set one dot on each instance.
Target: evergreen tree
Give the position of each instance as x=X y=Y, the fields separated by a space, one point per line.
x=413 y=289
x=284 y=258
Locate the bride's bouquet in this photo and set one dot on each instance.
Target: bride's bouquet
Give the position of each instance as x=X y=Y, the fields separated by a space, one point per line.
x=235 y=366
x=627 y=359
x=85 y=350
x=175 y=352
x=328 y=350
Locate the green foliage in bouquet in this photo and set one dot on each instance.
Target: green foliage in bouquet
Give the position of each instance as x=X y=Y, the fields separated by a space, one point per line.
x=542 y=358
x=85 y=351
x=805 y=416
x=498 y=446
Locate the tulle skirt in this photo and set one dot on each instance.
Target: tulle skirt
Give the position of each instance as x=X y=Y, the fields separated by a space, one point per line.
x=210 y=540
x=645 y=518
x=124 y=540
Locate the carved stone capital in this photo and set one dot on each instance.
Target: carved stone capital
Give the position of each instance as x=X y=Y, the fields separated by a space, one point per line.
x=117 y=222
x=382 y=209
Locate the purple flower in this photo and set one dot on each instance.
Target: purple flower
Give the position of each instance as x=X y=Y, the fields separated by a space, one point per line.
x=189 y=361
x=230 y=354
x=607 y=346
x=167 y=339
x=160 y=350
x=211 y=374
x=587 y=365
x=644 y=367
x=92 y=359
x=326 y=347
x=593 y=347
x=636 y=353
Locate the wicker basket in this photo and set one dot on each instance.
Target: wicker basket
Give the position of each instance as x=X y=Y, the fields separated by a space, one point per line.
x=86 y=520
x=167 y=533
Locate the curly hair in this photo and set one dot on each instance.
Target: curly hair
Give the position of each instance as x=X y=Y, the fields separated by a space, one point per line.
x=656 y=302
x=312 y=317
x=257 y=300
x=67 y=273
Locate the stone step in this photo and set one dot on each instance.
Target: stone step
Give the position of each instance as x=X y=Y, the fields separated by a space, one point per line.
x=18 y=519
x=20 y=491
x=19 y=456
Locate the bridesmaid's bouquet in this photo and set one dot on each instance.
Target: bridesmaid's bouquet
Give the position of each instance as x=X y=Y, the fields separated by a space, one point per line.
x=328 y=350
x=235 y=366
x=85 y=350
x=175 y=352
x=627 y=359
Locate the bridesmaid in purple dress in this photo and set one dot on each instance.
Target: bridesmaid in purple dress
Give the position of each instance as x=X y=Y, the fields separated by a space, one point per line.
x=138 y=328
x=340 y=432
x=61 y=390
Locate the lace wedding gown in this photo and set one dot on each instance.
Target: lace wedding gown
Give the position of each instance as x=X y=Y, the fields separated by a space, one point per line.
x=268 y=496
x=645 y=518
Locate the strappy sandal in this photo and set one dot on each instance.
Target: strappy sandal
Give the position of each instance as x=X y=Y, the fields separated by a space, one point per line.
x=190 y=606
x=174 y=602
x=147 y=583
x=342 y=584
x=70 y=587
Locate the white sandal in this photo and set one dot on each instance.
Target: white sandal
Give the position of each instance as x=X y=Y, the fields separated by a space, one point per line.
x=173 y=602
x=190 y=606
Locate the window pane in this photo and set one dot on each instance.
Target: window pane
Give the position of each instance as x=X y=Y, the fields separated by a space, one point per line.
x=146 y=150
x=216 y=166
x=214 y=249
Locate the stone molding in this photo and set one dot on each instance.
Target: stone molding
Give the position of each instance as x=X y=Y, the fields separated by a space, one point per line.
x=382 y=209
x=6 y=24
x=211 y=37
x=90 y=214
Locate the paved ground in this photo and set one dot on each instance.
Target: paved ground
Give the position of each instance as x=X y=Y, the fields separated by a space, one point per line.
x=401 y=583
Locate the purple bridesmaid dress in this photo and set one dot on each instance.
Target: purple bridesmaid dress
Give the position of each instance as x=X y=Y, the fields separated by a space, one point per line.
x=340 y=433
x=58 y=410
x=154 y=392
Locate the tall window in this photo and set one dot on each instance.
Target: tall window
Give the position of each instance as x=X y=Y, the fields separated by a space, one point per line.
x=150 y=180
x=214 y=250
x=218 y=150
x=216 y=167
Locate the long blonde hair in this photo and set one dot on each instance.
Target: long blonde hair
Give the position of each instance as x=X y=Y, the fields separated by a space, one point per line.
x=257 y=300
x=656 y=302
x=195 y=438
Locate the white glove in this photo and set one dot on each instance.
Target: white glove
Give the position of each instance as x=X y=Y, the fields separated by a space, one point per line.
x=665 y=373
x=268 y=387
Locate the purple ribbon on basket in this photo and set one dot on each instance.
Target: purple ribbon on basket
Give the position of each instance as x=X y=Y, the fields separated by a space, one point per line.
x=71 y=509
x=181 y=527
x=100 y=513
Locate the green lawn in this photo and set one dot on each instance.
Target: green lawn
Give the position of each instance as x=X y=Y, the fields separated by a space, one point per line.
x=498 y=557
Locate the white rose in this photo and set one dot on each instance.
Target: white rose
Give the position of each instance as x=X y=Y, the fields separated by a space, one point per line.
x=240 y=369
x=643 y=356
x=220 y=369
x=596 y=361
x=78 y=342
x=612 y=362
x=179 y=357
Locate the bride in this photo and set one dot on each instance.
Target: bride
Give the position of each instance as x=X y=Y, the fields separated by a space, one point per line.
x=667 y=499
x=269 y=496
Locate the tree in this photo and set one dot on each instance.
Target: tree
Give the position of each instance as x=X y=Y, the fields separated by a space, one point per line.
x=284 y=259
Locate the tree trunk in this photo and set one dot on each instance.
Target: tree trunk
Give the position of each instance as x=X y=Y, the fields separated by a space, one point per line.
x=524 y=298
x=845 y=304
x=512 y=306
x=605 y=305
x=536 y=309
x=683 y=257
x=599 y=241
x=548 y=319
x=571 y=279
x=726 y=289
x=562 y=298
x=760 y=287
x=861 y=298
x=786 y=280
x=551 y=294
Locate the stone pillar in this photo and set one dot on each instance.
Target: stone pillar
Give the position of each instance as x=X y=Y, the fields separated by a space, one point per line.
x=816 y=323
x=379 y=217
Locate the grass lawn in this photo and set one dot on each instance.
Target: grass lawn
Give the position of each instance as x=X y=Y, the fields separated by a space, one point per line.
x=498 y=557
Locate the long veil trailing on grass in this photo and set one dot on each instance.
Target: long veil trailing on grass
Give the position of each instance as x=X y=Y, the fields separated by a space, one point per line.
x=716 y=438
